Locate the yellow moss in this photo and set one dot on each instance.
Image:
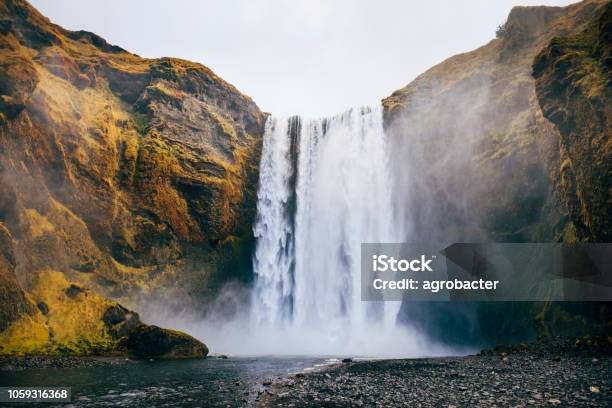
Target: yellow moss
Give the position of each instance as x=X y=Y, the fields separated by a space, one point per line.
x=131 y=149
x=72 y=325
x=71 y=318
x=166 y=90
x=25 y=336
x=39 y=224
x=129 y=272
x=232 y=185
x=227 y=127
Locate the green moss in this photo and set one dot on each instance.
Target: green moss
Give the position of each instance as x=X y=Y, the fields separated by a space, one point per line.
x=141 y=122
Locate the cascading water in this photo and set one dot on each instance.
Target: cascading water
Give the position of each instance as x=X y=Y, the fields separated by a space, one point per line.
x=325 y=187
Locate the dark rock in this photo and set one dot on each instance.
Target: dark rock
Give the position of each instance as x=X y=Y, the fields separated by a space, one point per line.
x=347 y=360
x=73 y=290
x=152 y=341
x=42 y=306
x=13 y=300
x=120 y=321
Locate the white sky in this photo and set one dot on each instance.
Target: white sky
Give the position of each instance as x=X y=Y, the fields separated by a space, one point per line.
x=310 y=57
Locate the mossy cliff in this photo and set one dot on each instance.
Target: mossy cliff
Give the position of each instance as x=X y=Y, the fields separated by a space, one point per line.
x=129 y=178
x=491 y=158
x=574 y=87
x=511 y=142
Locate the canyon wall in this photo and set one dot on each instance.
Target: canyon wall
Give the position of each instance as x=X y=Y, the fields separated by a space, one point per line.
x=123 y=177
x=126 y=180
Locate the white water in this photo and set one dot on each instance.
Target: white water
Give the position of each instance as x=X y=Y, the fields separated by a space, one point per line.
x=325 y=187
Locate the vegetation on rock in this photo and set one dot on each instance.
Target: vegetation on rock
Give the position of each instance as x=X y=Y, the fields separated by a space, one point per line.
x=120 y=175
x=574 y=87
x=509 y=158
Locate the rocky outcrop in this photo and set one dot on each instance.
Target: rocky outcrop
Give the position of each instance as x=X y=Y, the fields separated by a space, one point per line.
x=13 y=300
x=131 y=178
x=574 y=88
x=71 y=319
x=154 y=342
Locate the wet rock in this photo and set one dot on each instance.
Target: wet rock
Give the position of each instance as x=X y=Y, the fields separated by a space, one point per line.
x=73 y=290
x=152 y=341
x=433 y=383
x=42 y=306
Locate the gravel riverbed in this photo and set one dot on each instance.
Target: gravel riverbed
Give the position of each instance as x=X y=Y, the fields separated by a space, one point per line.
x=513 y=378
x=18 y=363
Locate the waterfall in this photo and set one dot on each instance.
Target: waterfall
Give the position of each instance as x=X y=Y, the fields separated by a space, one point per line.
x=324 y=188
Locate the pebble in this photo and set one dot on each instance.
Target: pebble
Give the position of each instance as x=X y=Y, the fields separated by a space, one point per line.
x=538 y=378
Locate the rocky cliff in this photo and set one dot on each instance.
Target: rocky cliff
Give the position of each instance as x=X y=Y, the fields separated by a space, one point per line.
x=122 y=178
x=511 y=142
x=574 y=88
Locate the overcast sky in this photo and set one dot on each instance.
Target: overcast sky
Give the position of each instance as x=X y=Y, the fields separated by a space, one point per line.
x=310 y=57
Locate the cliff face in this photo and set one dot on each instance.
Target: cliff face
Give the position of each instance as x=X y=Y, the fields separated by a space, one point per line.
x=126 y=176
x=491 y=161
x=511 y=144
x=574 y=89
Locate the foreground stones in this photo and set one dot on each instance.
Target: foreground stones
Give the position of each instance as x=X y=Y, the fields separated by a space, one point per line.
x=520 y=379
x=40 y=362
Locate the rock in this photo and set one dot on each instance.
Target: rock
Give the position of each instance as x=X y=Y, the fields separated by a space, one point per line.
x=580 y=110
x=347 y=360
x=73 y=290
x=14 y=301
x=152 y=341
x=300 y=375
x=594 y=389
x=120 y=321
x=42 y=306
